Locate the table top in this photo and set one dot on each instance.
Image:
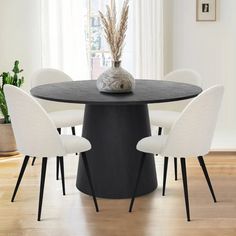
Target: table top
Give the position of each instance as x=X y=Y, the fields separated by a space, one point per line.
x=145 y=92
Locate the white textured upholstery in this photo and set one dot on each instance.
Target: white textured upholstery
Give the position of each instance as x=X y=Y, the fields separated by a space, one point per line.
x=187 y=76
x=153 y=144
x=48 y=76
x=35 y=132
x=63 y=114
x=169 y=112
x=192 y=133
x=67 y=118
x=73 y=144
x=163 y=118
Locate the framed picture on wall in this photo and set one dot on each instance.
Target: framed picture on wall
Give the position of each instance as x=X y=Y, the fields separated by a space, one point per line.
x=206 y=10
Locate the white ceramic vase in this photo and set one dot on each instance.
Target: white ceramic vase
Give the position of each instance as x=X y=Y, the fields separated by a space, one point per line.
x=116 y=80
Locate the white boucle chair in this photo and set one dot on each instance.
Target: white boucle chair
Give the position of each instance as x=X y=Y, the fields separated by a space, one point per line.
x=36 y=135
x=169 y=112
x=62 y=114
x=190 y=136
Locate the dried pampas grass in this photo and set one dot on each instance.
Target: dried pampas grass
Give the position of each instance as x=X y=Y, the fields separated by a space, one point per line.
x=115 y=33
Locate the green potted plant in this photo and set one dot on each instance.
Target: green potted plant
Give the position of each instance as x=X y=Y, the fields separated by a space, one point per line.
x=7 y=139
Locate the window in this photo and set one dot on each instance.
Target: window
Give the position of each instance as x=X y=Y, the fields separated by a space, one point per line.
x=73 y=39
x=97 y=48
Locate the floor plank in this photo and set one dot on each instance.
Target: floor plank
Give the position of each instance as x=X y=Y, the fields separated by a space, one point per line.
x=153 y=214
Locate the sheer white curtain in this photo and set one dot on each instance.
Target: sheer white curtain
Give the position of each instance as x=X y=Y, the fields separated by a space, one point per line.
x=63 y=37
x=64 y=44
x=147 y=38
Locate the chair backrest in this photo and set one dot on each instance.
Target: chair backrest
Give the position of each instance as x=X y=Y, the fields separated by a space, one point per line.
x=48 y=76
x=36 y=135
x=192 y=133
x=185 y=76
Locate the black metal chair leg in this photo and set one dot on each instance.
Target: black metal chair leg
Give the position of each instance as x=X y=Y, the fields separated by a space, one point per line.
x=85 y=161
x=204 y=169
x=164 y=175
x=33 y=161
x=176 y=168
x=159 y=130
x=73 y=130
x=137 y=182
x=24 y=164
x=62 y=174
x=185 y=186
x=73 y=133
x=57 y=168
x=58 y=161
x=42 y=182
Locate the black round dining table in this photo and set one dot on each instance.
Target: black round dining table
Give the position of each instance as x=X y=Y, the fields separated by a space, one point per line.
x=114 y=123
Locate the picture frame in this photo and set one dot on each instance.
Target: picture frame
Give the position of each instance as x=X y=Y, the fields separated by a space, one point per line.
x=206 y=10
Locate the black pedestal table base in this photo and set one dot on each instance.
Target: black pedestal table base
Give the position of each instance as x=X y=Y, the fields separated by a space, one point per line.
x=114 y=131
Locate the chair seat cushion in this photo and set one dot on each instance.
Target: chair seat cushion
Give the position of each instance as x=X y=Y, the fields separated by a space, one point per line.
x=163 y=118
x=152 y=144
x=75 y=144
x=67 y=118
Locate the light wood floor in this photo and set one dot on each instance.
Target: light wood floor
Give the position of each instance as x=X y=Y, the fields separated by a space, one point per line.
x=153 y=215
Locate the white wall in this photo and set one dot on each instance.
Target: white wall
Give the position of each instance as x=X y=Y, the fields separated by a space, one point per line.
x=20 y=35
x=210 y=48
